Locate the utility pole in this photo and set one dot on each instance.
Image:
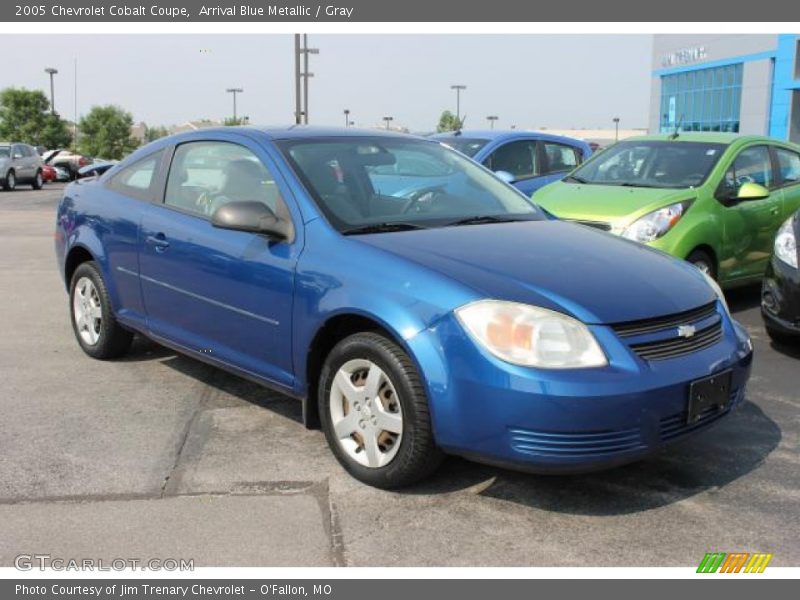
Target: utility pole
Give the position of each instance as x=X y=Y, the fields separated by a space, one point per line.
x=388 y=120
x=458 y=89
x=301 y=77
x=51 y=71
x=492 y=119
x=234 y=91
x=298 y=110
x=347 y=117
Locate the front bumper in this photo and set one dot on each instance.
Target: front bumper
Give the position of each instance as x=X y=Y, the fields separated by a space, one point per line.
x=780 y=298
x=571 y=420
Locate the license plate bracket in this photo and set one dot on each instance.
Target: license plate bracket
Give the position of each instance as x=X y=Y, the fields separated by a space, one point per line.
x=710 y=392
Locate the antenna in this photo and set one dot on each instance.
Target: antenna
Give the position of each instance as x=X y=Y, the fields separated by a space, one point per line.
x=674 y=135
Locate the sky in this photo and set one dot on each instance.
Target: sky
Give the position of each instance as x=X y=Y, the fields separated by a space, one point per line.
x=530 y=81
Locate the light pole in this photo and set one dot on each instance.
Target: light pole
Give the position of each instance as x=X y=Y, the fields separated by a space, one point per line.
x=51 y=71
x=234 y=91
x=616 y=128
x=458 y=89
x=492 y=119
x=388 y=120
x=347 y=117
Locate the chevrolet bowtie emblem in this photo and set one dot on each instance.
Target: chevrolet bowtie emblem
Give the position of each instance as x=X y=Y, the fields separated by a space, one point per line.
x=686 y=331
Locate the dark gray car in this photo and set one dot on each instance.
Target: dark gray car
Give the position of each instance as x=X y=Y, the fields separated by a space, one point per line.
x=20 y=164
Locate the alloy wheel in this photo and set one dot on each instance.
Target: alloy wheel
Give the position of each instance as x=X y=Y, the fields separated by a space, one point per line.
x=366 y=413
x=87 y=311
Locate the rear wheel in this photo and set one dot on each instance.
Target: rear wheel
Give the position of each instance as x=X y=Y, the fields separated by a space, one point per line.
x=703 y=261
x=375 y=414
x=97 y=331
x=38 y=181
x=11 y=181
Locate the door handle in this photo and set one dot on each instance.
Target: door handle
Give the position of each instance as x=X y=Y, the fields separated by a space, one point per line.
x=158 y=241
x=774 y=210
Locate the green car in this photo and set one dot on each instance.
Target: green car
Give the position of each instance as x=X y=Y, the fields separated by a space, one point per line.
x=714 y=199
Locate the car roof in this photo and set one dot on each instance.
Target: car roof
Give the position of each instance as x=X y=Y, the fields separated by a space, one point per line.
x=709 y=137
x=504 y=135
x=288 y=132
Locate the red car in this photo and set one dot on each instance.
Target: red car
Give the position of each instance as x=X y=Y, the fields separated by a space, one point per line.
x=48 y=173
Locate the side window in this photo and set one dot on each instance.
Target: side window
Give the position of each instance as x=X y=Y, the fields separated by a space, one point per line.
x=789 y=165
x=138 y=180
x=16 y=151
x=206 y=175
x=752 y=165
x=560 y=157
x=518 y=158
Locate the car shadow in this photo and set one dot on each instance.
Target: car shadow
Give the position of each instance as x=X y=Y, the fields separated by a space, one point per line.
x=703 y=463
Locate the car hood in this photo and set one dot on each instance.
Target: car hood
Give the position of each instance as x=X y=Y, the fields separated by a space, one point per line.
x=610 y=203
x=592 y=275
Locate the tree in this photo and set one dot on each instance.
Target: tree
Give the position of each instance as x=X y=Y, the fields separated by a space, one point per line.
x=106 y=132
x=231 y=122
x=25 y=117
x=151 y=134
x=449 y=122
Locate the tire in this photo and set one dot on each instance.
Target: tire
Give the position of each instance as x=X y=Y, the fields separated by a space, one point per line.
x=703 y=261
x=386 y=459
x=98 y=334
x=781 y=338
x=38 y=181
x=10 y=182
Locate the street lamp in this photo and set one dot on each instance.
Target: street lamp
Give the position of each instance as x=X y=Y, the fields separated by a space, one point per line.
x=388 y=120
x=51 y=71
x=347 y=117
x=301 y=111
x=492 y=119
x=616 y=128
x=458 y=89
x=234 y=91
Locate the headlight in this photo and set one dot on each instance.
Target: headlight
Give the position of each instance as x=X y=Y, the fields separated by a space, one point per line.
x=712 y=282
x=531 y=336
x=655 y=224
x=786 y=243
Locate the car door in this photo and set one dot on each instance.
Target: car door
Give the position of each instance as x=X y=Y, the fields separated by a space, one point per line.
x=749 y=225
x=519 y=158
x=557 y=160
x=787 y=163
x=19 y=160
x=220 y=293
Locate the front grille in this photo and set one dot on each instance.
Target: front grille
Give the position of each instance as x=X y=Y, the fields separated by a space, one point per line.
x=670 y=341
x=574 y=445
x=596 y=224
x=631 y=328
x=676 y=425
x=679 y=346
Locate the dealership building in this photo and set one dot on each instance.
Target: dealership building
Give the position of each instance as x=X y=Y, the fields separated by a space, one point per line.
x=740 y=83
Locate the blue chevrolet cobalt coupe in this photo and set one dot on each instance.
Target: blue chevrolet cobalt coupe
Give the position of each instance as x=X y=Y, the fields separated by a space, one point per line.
x=416 y=304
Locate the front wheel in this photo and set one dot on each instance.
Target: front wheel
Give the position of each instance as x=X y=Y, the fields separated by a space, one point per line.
x=704 y=262
x=11 y=181
x=38 y=181
x=97 y=331
x=375 y=414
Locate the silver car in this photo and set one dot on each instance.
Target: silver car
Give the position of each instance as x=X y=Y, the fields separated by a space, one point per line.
x=20 y=163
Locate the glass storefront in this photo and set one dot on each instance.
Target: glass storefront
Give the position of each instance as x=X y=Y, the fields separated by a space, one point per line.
x=702 y=100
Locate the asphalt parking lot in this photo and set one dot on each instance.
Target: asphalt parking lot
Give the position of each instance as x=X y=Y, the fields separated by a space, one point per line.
x=158 y=455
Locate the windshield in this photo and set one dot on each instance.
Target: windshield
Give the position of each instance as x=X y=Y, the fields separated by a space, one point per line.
x=657 y=164
x=468 y=146
x=364 y=182
x=5 y=151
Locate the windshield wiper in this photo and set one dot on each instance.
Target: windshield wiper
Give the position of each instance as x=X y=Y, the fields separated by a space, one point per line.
x=575 y=178
x=635 y=184
x=382 y=228
x=480 y=219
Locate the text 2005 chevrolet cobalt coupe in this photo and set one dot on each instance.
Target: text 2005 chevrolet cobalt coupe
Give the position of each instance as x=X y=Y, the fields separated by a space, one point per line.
x=416 y=304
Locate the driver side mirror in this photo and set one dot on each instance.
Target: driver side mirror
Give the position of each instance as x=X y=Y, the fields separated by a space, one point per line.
x=505 y=176
x=253 y=217
x=752 y=191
